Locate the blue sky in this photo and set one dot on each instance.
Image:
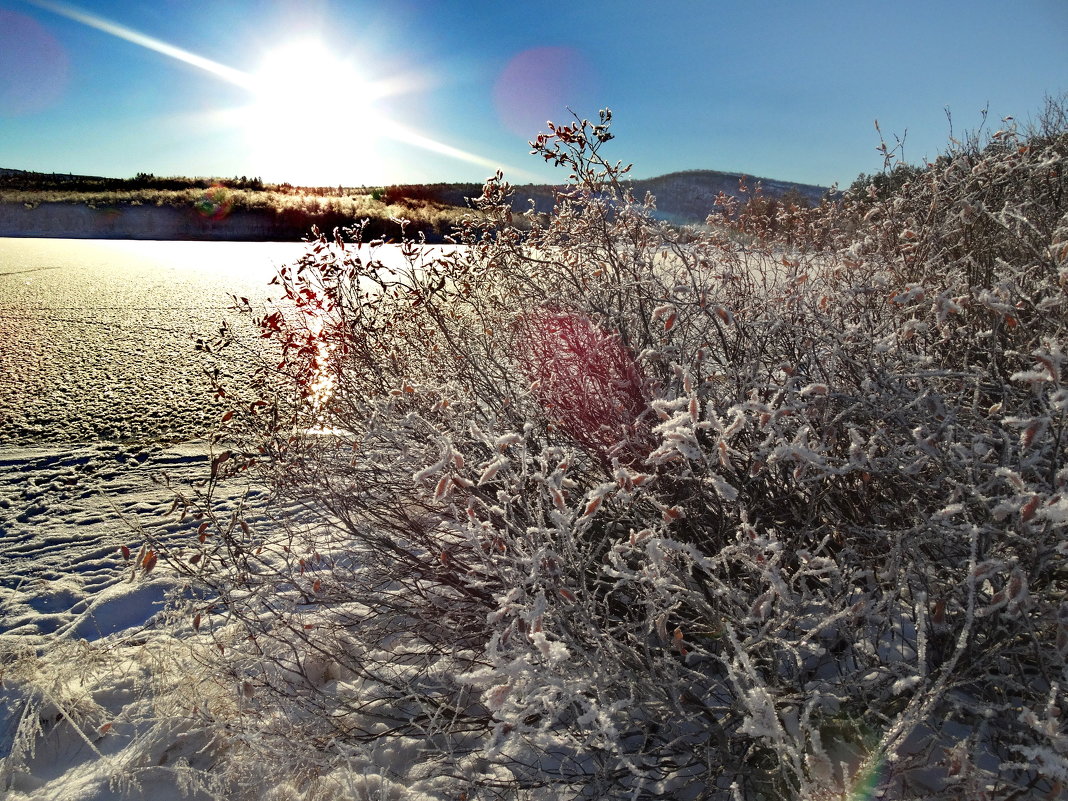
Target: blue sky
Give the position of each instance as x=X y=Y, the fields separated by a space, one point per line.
x=356 y=93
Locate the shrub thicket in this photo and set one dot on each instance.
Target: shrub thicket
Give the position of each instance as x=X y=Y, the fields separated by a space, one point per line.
x=596 y=510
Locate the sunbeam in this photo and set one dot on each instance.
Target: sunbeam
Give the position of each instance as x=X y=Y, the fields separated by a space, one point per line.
x=230 y=74
x=280 y=134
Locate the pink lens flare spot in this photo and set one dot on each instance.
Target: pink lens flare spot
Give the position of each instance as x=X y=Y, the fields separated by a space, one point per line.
x=541 y=84
x=589 y=384
x=33 y=66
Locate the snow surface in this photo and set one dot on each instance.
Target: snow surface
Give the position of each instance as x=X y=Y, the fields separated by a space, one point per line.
x=97 y=338
x=104 y=414
x=101 y=401
x=65 y=513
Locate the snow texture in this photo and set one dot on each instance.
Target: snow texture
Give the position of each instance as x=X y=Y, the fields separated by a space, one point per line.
x=104 y=416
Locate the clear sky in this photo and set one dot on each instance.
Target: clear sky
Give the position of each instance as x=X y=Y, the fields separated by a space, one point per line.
x=395 y=91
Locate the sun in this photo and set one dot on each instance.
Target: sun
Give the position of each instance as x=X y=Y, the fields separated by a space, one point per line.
x=312 y=115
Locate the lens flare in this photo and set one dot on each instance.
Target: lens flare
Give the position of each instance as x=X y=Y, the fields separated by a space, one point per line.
x=33 y=66
x=215 y=203
x=539 y=85
x=868 y=779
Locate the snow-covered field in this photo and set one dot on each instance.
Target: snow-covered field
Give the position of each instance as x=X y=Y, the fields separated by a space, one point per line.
x=97 y=337
x=105 y=414
x=66 y=512
x=101 y=402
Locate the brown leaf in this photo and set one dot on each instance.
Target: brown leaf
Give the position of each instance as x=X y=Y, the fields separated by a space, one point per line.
x=1028 y=509
x=938 y=617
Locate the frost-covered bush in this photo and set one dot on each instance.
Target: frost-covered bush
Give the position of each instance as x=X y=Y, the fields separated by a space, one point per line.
x=989 y=209
x=598 y=510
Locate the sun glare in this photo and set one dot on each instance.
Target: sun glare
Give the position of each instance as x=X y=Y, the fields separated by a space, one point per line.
x=312 y=113
x=312 y=118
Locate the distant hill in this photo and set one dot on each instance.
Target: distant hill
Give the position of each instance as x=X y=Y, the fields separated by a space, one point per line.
x=688 y=197
x=684 y=198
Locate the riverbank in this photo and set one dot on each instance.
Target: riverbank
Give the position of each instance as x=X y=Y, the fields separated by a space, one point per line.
x=151 y=222
x=71 y=221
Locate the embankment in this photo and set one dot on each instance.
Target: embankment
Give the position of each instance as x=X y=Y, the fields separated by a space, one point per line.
x=77 y=221
x=129 y=221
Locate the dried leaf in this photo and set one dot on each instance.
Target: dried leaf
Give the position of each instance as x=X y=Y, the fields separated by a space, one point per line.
x=592 y=506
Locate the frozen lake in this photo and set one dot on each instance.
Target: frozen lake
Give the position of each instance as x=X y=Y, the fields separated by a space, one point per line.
x=101 y=390
x=97 y=336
